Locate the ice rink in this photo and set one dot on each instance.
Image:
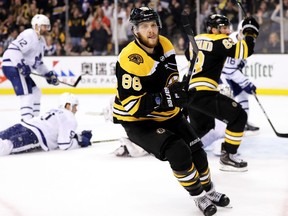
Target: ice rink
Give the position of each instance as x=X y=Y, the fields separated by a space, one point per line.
x=93 y=182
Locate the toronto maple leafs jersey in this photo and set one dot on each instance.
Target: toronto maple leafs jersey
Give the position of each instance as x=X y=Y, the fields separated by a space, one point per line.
x=54 y=129
x=28 y=46
x=232 y=69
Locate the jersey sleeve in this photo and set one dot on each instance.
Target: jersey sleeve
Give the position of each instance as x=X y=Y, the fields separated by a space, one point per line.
x=66 y=134
x=242 y=49
x=231 y=72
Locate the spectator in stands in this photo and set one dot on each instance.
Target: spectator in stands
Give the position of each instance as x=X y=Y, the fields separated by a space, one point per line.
x=120 y=12
x=83 y=49
x=128 y=24
x=107 y=9
x=164 y=15
x=12 y=36
x=33 y=10
x=277 y=18
x=3 y=11
x=120 y=34
x=99 y=17
x=180 y=45
x=231 y=11
x=59 y=49
x=99 y=38
x=9 y=22
x=77 y=27
x=262 y=16
x=50 y=49
x=57 y=11
x=57 y=32
x=272 y=45
x=208 y=7
x=68 y=46
x=176 y=10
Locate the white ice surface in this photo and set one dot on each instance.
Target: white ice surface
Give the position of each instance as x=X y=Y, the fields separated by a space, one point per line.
x=93 y=182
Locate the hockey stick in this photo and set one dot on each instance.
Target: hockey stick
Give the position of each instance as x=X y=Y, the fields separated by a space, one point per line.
x=242 y=8
x=188 y=29
x=65 y=83
x=277 y=133
x=102 y=141
x=94 y=113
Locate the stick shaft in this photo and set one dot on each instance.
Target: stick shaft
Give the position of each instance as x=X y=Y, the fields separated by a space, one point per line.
x=263 y=110
x=65 y=83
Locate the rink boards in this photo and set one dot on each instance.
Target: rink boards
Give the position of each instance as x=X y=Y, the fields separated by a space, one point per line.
x=267 y=72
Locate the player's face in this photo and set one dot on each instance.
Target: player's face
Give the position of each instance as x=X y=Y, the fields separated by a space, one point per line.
x=74 y=108
x=148 y=33
x=44 y=29
x=225 y=30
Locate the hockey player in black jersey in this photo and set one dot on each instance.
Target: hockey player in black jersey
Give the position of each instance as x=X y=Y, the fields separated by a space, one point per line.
x=147 y=105
x=205 y=101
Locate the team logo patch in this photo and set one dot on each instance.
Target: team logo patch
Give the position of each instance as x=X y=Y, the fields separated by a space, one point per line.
x=160 y=131
x=136 y=58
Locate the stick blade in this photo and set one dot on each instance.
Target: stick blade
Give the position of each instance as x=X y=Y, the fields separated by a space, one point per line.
x=77 y=81
x=281 y=135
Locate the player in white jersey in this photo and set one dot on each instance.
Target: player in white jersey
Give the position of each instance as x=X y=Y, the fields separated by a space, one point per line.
x=24 y=54
x=56 y=129
x=239 y=83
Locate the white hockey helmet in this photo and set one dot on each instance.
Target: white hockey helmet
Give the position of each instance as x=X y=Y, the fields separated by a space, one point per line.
x=68 y=98
x=40 y=19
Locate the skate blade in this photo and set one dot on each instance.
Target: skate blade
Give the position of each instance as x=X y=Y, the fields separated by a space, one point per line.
x=251 y=133
x=227 y=168
x=229 y=206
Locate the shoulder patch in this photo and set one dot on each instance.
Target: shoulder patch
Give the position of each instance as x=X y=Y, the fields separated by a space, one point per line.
x=136 y=58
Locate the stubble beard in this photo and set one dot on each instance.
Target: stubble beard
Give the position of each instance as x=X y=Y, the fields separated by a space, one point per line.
x=147 y=42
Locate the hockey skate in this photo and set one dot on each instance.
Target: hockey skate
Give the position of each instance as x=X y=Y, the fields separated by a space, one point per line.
x=122 y=151
x=250 y=127
x=217 y=198
x=205 y=205
x=229 y=162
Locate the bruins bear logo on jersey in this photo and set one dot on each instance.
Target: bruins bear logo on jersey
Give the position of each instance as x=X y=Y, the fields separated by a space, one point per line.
x=136 y=58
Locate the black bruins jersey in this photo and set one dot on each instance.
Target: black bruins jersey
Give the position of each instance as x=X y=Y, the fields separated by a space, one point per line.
x=139 y=76
x=213 y=51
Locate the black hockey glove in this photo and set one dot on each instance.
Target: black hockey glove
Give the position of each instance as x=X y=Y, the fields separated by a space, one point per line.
x=250 y=27
x=172 y=96
x=51 y=78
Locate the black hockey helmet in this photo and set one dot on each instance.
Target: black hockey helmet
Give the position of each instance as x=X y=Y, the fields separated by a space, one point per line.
x=144 y=14
x=216 y=21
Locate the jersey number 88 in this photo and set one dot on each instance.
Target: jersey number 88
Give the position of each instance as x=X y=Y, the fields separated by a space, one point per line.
x=128 y=81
